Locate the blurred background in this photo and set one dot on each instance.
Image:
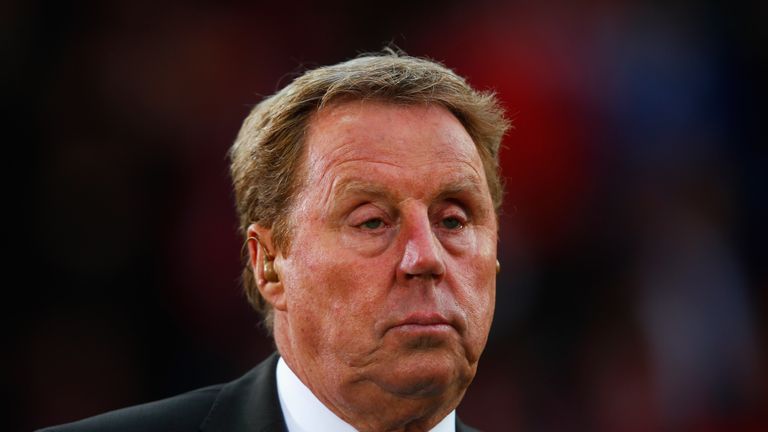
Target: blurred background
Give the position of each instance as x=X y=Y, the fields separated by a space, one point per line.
x=633 y=292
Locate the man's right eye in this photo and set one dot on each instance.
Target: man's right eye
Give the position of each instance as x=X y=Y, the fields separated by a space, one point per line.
x=372 y=224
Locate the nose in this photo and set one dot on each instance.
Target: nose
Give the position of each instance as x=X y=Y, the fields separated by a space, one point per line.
x=423 y=254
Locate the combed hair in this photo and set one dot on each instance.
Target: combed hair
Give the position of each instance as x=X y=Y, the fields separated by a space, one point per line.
x=266 y=157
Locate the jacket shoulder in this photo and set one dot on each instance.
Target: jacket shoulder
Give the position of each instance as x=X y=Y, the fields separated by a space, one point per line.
x=179 y=413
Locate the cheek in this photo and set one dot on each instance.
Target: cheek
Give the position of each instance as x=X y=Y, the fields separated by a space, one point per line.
x=477 y=301
x=333 y=298
x=474 y=279
x=477 y=296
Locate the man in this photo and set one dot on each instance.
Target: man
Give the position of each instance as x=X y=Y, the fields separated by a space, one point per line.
x=368 y=194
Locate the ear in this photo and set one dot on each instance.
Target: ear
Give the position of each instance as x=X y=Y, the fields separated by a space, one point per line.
x=261 y=249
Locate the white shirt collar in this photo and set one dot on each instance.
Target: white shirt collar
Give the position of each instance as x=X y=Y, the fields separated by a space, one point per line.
x=304 y=412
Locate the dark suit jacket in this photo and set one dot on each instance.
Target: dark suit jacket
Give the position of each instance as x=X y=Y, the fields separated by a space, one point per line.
x=247 y=404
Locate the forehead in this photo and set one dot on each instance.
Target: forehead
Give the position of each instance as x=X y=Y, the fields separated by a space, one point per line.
x=364 y=139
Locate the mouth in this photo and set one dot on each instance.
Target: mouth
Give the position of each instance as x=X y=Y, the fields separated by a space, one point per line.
x=424 y=322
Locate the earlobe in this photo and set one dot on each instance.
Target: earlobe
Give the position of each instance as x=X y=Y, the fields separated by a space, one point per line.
x=262 y=262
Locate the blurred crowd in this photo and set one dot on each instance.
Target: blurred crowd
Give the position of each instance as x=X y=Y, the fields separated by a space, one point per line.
x=633 y=292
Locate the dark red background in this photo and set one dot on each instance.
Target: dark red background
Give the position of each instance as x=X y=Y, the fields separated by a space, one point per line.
x=633 y=289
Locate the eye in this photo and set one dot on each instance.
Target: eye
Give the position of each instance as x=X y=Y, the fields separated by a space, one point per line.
x=451 y=223
x=372 y=224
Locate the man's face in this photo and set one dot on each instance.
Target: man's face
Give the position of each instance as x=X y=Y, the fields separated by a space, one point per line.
x=390 y=280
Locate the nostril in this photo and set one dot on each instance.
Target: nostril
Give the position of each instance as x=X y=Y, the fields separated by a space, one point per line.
x=426 y=275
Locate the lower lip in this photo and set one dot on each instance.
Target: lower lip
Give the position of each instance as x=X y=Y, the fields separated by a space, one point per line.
x=424 y=328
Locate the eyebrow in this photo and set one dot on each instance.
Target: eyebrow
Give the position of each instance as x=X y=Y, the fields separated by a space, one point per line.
x=464 y=183
x=360 y=187
x=461 y=184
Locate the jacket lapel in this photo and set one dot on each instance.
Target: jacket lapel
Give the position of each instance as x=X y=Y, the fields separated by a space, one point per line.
x=461 y=427
x=248 y=404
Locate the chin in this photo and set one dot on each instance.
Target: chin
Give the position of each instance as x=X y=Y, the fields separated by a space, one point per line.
x=425 y=374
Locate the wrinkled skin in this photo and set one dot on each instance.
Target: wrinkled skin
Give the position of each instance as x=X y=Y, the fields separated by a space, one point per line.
x=386 y=295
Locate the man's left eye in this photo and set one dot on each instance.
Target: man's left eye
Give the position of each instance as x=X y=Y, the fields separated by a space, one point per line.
x=451 y=223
